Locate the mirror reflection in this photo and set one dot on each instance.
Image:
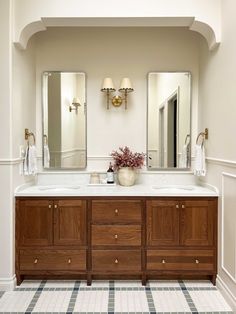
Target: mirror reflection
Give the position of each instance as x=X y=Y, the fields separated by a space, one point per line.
x=64 y=120
x=169 y=120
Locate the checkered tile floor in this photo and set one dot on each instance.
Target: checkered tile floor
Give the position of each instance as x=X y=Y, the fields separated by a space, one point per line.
x=114 y=297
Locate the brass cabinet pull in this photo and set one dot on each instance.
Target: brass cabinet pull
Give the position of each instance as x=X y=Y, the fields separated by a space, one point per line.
x=55 y=206
x=163 y=261
x=69 y=261
x=183 y=206
x=197 y=261
x=177 y=206
x=50 y=206
x=116 y=211
x=36 y=261
x=116 y=236
x=116 y=261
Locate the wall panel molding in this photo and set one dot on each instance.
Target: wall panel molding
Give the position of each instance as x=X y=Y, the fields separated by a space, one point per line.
x=228 y=224
x=227 y=293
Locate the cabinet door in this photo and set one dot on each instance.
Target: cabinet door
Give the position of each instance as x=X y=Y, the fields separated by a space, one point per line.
x=197 y=222
x=69 y=222
x=163 y=222
x=35 y=222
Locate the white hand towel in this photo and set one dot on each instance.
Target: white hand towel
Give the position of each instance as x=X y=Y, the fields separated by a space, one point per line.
x=200 y=163
x=46 y=156
x=183 y=157
x=30 y=161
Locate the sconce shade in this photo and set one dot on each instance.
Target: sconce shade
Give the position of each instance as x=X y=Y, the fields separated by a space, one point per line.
x=107 y=85
x=76 y=101
x=126 y=85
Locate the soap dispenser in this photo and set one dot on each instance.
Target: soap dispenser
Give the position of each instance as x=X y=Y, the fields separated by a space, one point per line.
x=110 y=174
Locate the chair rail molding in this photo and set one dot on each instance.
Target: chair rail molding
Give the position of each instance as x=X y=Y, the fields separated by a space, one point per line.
x=10 y=161
x=223 y=162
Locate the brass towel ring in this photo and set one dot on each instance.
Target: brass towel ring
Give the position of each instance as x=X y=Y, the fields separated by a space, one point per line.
x=203 y=135
x=186 y=138
x=45 y=137
x=28 y=135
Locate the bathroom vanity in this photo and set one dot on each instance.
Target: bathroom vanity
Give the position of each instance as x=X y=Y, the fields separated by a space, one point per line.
x=115 y=234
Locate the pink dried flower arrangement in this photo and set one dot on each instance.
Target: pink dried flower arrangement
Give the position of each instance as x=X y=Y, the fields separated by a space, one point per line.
x=125 y=158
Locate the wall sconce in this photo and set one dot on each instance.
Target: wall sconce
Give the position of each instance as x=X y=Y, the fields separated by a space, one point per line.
x=125 y=88
x=75 y=104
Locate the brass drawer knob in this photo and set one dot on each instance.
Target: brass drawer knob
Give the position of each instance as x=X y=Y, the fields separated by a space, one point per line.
x=36 y=261
x=55 y=206
x=116 y=236
x=49 y=206
x=197 y=261
x=116 y=261
x=177 y=206
x=116 y=211
x=163 y=261
x=183 y=206
x=69 y=261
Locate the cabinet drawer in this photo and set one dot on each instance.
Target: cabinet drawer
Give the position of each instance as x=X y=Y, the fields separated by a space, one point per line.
x=180 y=260
x=116 y=235
x=116 y=211
x=52 y=259
x=116 y=260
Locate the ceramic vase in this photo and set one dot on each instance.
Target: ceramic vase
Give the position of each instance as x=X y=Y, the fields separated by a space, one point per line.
x=126 y=176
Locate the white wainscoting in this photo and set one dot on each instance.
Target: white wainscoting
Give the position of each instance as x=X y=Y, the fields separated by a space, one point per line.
x=228 y=225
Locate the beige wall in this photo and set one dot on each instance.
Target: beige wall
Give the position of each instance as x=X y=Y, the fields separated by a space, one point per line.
x=218 y=113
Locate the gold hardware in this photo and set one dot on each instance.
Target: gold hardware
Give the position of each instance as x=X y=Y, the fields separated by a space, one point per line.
x=197 y=261
x=204 y=136
x=177 y=206
x=163 y=261
x=109 y=88
x=45 y=139
x=69 y=261
x=116 y=261
x=36 y=261
x=116 y=211
x=75 y=104
x=186 y=138
x=55 y=206
x=183 y=206
x=28 y=134
x=49 y=206
x=116 y=101
x=116 y=236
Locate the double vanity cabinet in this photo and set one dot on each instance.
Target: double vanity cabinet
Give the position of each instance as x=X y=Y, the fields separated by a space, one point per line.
x=116 y=237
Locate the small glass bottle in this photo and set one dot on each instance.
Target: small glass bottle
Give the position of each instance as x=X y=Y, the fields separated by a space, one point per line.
x=110 y=174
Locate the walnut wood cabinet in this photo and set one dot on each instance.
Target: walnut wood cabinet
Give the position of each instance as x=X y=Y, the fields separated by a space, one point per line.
x=182 y=237
x=116 y=237
x=51 y=237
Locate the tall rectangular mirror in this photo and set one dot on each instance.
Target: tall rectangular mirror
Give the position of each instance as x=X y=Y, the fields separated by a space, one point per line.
x=169 y=120
x=64 y=120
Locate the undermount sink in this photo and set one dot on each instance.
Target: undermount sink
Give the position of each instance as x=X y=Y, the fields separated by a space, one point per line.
x=58 y=187
x=174 y=187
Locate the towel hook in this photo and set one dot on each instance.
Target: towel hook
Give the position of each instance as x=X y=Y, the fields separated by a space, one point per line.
x=28 y=135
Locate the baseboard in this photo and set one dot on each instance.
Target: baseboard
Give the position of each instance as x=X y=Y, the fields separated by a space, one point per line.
x=7 y=284
x=227 y=294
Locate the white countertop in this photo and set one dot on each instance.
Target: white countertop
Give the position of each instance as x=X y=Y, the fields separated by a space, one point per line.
x=115 y=190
